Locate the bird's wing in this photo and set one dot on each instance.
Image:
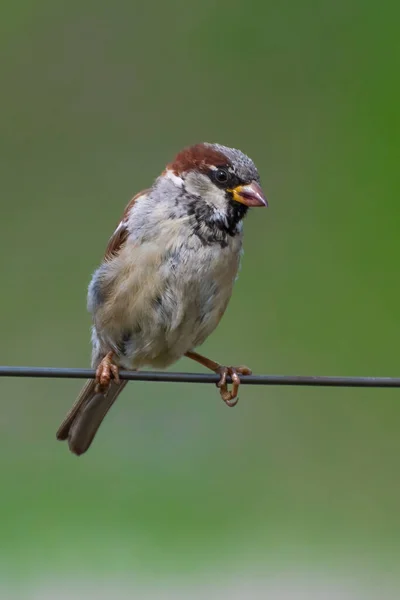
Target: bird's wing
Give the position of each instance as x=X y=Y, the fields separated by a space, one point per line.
x=120 y=235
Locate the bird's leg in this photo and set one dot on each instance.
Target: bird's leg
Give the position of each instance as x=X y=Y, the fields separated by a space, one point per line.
x=106 y=369
x=228 y=396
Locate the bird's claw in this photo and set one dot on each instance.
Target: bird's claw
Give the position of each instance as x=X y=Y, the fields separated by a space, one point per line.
x=230 y=396
x=105 y=371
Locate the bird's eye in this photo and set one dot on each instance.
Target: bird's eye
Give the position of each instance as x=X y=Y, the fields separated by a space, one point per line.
x=221 y=176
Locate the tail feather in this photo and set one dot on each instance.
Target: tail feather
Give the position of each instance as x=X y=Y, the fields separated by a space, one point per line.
x=86 y=393
x=86 y=415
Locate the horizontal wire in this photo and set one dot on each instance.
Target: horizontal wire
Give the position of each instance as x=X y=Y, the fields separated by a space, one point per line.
x=167 y=377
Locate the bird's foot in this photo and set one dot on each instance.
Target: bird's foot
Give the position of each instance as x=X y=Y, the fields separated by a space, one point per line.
x=105 y=371
x=230 y=396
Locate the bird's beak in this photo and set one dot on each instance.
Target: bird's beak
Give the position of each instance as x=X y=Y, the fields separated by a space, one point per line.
x=250 y=195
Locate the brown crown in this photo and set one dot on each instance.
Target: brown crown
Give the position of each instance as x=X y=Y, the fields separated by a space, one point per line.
x=199 y=157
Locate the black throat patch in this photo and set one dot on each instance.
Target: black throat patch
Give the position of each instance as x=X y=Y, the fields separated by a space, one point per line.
x=212 y=228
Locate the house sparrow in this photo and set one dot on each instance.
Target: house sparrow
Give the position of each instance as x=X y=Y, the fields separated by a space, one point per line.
x=166 y=278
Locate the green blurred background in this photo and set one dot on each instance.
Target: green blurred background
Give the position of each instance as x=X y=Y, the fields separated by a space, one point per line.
x=177 y=489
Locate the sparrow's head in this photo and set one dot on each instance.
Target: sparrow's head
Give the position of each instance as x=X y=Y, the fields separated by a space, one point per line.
x=223 y=179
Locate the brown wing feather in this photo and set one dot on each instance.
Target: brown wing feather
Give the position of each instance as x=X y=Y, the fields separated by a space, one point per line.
x=120 y=235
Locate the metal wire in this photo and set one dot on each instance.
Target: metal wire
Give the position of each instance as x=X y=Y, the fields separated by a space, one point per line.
x=301 y=380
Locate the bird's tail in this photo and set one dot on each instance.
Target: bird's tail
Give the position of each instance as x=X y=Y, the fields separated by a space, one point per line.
x=86 y=415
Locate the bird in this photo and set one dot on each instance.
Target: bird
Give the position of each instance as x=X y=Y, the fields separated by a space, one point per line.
x=166 y=278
